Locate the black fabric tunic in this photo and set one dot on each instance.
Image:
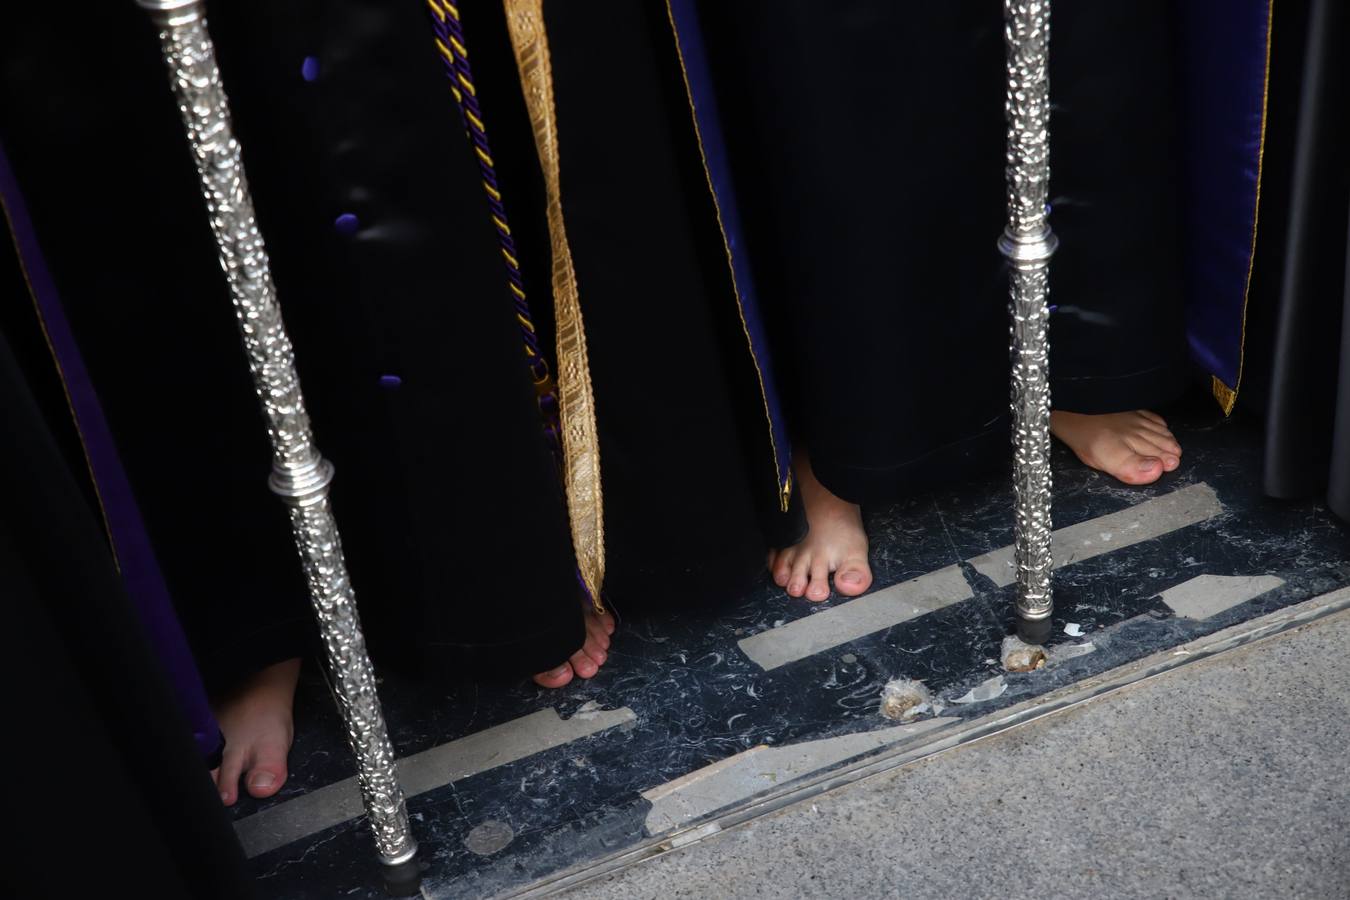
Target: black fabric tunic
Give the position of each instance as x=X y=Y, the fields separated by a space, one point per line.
x=1298 y=325
x=113 y=793
x=94 y=140
x=395 y=295
x=871 y=141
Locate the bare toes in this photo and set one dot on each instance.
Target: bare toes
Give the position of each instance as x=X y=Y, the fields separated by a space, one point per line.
x=231 y=767
x=853 y=577
x=555 y=678
x=1163 y=446
x=1158 y=431
x=593 y=649
x=1138 y=469
x=819 y=588
x=1152 y=417
x=798 y=580
x=583 y=665
x=268 y=772
x=1150 y=446
x=596 y=633
x=782 y=567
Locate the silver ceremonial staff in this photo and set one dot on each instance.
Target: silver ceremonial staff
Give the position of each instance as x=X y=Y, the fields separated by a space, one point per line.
x=1028 y=244
x=300 y=476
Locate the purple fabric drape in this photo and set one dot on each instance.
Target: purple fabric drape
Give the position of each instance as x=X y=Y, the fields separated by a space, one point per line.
x=131 y=544
x=1224 y=49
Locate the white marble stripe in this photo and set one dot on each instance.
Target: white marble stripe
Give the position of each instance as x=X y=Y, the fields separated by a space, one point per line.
x=1208 y=595
x=740 y=777
x=339 y=802
x=857 y=618
x=1133 y=525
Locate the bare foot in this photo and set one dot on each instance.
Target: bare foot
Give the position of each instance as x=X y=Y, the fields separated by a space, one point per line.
x=836 y=545
x=258 y=727
x=1135 y=447
x=586 y=661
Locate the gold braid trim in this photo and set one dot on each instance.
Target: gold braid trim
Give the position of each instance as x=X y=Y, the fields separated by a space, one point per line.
x=581 y=445
x=781 y=478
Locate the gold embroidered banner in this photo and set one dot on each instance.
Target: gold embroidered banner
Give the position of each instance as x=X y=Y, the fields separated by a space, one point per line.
x=581 y=445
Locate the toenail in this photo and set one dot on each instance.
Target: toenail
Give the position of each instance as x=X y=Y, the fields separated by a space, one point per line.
x=224 y=796
x=851 y=577
x=1147 y=465
x=263 y=780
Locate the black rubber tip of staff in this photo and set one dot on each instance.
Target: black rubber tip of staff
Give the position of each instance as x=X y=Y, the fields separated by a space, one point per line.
x=404 y=879
x=1033 y=632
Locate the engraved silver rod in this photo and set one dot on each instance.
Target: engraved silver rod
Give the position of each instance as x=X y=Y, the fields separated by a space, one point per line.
x=300 y=476
x=1028 y=244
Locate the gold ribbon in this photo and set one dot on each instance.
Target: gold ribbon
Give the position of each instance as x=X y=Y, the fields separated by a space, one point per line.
x=581 y=444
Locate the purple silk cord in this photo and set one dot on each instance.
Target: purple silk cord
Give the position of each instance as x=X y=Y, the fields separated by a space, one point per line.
x=131 y=544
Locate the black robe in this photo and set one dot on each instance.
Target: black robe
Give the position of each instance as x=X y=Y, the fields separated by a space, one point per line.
x=113 y=793
x=407 y=345
x=392 y=285
x=1298 y=333
x=871 y=142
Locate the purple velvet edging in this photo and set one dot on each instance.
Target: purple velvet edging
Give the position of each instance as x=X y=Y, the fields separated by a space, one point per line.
x=131 y=544
x=1224 y=82
x=702 y=96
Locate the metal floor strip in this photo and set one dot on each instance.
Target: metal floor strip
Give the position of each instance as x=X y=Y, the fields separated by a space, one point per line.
x=924 y=746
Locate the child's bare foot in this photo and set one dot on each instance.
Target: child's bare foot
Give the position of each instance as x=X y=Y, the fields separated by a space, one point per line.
x=836 y=545
x=1135 y=447
x=586 y=661
x=258 y=727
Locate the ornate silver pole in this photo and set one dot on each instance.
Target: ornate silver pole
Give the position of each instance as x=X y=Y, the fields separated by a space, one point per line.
x=1028 y=244
x=300 y=476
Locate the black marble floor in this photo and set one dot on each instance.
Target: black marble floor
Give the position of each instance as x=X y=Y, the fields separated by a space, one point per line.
x=696 y=698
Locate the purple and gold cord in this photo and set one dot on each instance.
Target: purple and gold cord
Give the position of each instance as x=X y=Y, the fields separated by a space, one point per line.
x=450 y=43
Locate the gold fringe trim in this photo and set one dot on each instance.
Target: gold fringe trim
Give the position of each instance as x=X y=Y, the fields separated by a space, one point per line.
x=580 y=439
x=1226 y=396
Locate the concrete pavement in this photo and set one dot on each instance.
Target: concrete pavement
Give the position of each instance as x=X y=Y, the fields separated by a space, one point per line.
x=1226 y=778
